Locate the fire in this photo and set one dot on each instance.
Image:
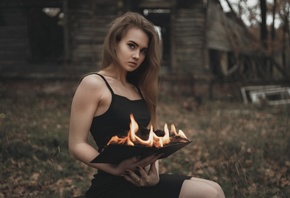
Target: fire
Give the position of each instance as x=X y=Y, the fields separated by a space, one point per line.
x=153 y=140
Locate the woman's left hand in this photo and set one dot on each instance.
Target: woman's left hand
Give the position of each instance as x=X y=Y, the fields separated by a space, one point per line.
x=147 y=177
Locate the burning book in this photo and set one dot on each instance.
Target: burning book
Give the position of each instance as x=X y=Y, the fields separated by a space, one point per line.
x=142 y=143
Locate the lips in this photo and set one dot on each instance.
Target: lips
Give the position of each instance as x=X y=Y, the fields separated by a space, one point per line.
x=133 y=63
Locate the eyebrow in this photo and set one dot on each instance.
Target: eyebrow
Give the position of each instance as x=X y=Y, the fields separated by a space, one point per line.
x=137 y=44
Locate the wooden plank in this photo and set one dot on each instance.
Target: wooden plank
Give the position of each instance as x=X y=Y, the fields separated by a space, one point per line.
x=155 y=4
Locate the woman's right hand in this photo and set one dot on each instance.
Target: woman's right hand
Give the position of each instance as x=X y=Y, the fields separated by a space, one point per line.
x=133 y=164
x=143 y=177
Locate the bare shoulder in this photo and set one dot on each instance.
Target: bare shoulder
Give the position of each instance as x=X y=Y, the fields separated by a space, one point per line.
x=91 y=88
x=92 y=82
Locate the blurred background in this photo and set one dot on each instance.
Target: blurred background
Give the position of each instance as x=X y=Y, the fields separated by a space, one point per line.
x=224 y=81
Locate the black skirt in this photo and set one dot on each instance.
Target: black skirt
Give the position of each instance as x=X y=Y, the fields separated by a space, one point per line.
x=109 y=186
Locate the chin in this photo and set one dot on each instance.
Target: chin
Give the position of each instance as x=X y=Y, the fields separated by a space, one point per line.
x=131 y=69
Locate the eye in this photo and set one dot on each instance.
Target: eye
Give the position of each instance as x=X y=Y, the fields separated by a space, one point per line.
x=144 y=51
x=131 y=46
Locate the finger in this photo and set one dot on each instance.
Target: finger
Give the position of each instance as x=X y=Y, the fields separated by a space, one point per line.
x=146 y=158
x=148 y=178
x=133 y=175
x=142 y=172
x=134 y=159
x=133 y=178
x=128 y=163
x=130 y=179
x=152 y=168
x=150 y=161
x=146 y=161
x=155 y=157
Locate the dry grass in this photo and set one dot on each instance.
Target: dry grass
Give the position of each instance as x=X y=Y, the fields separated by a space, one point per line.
x=244 y=148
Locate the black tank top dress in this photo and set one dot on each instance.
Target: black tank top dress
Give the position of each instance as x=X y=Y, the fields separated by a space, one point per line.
x=115 y=120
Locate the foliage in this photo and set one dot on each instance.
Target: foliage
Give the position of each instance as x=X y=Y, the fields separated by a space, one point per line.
x=245 y=149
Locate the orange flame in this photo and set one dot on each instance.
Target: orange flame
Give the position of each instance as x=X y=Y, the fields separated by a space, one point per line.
x=153 y=140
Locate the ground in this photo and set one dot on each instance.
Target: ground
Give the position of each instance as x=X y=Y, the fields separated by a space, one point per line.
x=245 y=148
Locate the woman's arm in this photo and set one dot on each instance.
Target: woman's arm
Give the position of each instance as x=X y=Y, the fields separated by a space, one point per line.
x=84 y=106
x=86 y=102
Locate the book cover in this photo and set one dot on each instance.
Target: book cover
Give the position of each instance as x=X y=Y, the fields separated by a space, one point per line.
x=115 y=153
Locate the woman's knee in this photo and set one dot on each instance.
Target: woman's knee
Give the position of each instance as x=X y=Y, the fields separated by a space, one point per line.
x=218 y=188
x=201 y=189
x=204 y=191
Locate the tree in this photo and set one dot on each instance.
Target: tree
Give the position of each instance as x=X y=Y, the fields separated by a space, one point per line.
x=264 y=30
x=273 y=40
x=284 y=13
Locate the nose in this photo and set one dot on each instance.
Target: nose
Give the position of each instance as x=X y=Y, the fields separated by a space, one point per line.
x=136 y=55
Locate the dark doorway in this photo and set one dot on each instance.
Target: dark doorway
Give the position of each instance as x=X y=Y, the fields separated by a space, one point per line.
x=161 y=18
x=45 y=34
x=159 y=13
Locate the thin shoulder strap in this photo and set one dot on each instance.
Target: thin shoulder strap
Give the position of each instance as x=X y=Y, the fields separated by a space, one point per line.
x=140 y=92
x=109 y=87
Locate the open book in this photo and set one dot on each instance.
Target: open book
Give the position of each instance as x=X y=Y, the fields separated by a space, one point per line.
x=115 y=153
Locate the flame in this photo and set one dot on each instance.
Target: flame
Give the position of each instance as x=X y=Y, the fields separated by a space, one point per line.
x=179 y=134
x=153 y=140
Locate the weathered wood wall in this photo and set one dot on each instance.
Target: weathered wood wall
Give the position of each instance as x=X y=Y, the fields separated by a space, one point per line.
x=13 y=33
x=190 y=39
x=88 y=23
x=188 y=75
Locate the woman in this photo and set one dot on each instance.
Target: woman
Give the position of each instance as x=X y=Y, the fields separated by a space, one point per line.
x=126 y=84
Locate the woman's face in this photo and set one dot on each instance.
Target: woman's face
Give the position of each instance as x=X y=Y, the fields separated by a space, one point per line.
x=132 y=48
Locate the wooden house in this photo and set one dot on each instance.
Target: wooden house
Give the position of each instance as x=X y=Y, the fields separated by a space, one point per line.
x=199 y=41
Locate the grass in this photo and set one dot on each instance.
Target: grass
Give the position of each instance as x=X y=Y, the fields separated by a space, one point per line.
x=245 y=148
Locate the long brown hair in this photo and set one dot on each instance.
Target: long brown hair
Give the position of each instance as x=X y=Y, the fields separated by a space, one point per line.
x=146 y=76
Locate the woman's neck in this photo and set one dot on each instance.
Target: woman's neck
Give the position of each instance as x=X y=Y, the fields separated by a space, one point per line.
x=116 y=73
